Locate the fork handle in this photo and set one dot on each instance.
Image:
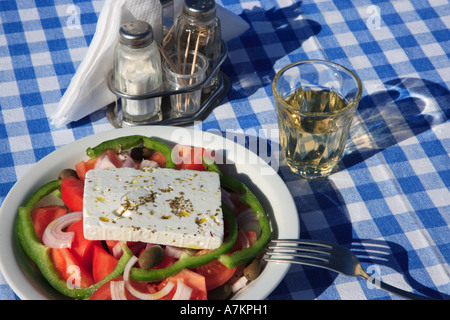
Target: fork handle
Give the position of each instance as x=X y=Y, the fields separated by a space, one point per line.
x=391 y=289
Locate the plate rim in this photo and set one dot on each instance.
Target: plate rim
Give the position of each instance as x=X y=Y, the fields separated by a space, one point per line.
x=18 y=280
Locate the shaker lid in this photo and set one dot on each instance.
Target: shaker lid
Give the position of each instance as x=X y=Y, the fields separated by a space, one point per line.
x=200 y=9
x=136 y=33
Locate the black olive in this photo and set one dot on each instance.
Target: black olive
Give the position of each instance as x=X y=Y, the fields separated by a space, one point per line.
x=67 y=173
x=139 y=153
x=151 y=257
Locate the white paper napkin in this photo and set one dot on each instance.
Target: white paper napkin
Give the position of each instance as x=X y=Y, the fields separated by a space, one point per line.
x=88 y=90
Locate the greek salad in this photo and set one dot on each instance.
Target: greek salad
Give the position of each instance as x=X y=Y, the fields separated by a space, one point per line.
x=106 y=266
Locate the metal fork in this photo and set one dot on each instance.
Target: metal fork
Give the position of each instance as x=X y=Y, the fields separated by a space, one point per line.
x=329 y=256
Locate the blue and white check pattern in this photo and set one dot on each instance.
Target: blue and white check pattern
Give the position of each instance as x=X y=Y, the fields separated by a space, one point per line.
x=389 y=200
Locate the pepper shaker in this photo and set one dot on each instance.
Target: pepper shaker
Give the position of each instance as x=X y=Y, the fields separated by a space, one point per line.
x=198 y=29
x=137 y=70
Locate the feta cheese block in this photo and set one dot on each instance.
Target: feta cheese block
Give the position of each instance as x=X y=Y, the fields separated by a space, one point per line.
x=162 y=206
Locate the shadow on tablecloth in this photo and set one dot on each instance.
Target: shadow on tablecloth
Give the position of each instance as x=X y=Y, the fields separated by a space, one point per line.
x=404 y=108
x=273 y=34
x=390 y=254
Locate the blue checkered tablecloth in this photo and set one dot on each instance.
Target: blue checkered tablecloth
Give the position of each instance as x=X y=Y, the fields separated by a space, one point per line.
x=389 y=201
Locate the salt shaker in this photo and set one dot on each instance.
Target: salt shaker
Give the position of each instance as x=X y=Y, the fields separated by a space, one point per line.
x=137 y=70
x=198 y=29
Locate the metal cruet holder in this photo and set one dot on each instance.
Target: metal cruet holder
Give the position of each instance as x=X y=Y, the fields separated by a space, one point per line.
x=209 y=101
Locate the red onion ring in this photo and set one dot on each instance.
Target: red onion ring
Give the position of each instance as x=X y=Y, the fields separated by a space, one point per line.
x=141 y=295
x=247 y=221
x=117 y=250
x=183 y=292
x=55 y=237
x=117 y=289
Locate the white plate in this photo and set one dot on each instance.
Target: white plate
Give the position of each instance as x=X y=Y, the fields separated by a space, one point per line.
x=238 y=161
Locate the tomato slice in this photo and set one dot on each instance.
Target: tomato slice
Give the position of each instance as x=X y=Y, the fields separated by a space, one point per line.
x=102 y=263
x=110 y=244
x=186 y=157
x=41 y=217
x=195 y=281
x=135 y=247
x=72 y=190
x=83 y=167
x=244 y=239
x=104 y=292
x=114 y=158
x=159 y=158
x=166 y=262
x=70 y=268
x=82 y=247
x=215 y=273
x=192 y=279
x=252 y=237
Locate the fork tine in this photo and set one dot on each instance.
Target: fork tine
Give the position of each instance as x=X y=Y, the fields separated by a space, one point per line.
x=295 y=254
x=290 y=246
x=312 y=243
x=309 y=262
x=300 y=252
x=305 y=252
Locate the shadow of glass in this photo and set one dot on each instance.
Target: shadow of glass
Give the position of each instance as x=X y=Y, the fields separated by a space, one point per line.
x=273 y=34
x=394 y=256
x=403 y=108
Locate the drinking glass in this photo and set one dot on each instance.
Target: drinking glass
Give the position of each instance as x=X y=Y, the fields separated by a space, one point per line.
x=188 y=72
x=315 y=101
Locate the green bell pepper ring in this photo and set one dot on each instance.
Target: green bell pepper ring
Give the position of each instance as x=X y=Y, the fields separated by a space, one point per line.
x=245 y=255
x=128 y=142
x=40 y=254
x=190 y=262
x=121 y=143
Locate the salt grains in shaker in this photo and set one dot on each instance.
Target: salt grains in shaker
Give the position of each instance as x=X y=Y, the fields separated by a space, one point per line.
x=137 y=70
x=198 y=30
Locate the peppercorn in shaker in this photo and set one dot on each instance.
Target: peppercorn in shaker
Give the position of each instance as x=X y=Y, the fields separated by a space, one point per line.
x=137 y=70
x=198 y=30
